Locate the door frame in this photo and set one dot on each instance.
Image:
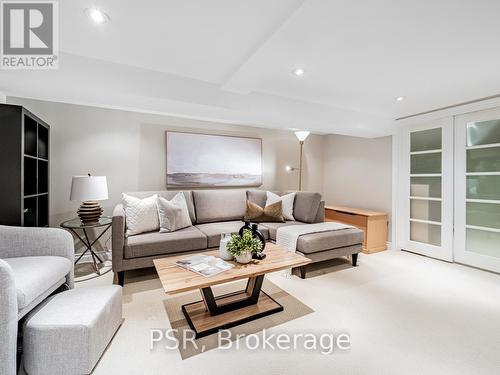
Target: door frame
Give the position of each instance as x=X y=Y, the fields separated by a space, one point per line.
x=445 y=251
x=461 y=254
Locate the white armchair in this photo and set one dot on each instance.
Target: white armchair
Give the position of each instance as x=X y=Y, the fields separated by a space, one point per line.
x=34 y=262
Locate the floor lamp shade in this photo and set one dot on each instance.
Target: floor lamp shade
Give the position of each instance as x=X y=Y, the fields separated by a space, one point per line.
x=302 y=135
x=89 y=190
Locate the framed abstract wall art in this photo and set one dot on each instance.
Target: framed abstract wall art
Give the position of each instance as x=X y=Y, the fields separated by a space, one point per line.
x=204 y=160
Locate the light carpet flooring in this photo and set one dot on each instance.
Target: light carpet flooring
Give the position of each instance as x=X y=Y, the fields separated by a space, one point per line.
x=406 y=314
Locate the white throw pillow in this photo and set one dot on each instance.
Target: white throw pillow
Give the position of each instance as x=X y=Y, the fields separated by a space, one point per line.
x=286 y=203
x=174 y=213
x=141 y=215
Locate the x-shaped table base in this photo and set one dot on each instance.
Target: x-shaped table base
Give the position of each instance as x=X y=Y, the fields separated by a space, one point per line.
x=88 y=245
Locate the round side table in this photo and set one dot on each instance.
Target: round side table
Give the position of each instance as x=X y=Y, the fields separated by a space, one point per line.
x=74 y=224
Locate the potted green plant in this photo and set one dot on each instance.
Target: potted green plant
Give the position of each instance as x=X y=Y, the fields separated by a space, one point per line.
x=244 y=246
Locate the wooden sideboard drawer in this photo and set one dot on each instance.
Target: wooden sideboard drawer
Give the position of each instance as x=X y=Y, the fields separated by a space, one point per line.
x=374 y=224
x=347 y=218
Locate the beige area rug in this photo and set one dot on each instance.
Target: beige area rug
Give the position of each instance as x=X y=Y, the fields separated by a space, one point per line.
x=85 y=270
x=293 y=309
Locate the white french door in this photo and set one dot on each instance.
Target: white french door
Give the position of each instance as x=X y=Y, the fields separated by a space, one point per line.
x=426 y=189
x=477 y=189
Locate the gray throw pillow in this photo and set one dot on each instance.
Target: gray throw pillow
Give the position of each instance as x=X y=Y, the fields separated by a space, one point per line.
x=173 y=214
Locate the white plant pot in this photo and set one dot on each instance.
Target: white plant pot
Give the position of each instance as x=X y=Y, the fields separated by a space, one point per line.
x=244 y=258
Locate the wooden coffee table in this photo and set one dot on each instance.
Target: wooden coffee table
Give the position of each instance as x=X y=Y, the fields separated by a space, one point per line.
x=212 y=313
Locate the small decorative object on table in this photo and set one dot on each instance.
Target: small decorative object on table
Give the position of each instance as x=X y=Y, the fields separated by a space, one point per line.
x=223 y=253
x=256 y=234
x=244 y=246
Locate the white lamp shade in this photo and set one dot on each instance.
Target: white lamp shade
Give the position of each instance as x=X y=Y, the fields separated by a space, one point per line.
x=302 y=135
x=89 y=188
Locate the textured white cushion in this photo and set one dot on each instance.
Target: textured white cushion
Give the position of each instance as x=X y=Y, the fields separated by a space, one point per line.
x=34 y=275
x=141 y=215
x=173 y=214
x=286 y=203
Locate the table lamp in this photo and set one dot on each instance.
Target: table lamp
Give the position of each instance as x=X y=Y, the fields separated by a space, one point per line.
x=89 y=190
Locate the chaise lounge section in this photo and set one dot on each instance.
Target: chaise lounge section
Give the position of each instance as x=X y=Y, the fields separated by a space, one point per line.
x=214 y=212
x=34 y=263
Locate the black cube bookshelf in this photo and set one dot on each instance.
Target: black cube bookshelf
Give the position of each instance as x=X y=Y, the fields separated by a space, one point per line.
x=24 y=168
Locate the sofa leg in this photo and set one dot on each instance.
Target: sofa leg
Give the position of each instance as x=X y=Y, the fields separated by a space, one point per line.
x=302 y=270
x=119 y=277
x=354 y=260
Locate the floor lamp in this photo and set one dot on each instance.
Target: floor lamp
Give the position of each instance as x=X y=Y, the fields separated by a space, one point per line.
x=301 y=136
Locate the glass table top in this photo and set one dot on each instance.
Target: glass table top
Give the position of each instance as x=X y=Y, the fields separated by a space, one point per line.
x=76 y=223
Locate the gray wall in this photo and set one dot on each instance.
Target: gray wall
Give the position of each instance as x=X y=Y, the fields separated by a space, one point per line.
x=129 y=148
x=358 y=172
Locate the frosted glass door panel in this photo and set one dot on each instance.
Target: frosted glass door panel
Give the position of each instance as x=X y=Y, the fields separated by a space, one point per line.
x=483 y=160
x=425 y=210
x=426 y=140
x=425 y=179
x=425 y=187
x=477 y=189
x=482 y=242
x=426 y=163
x=483 y=133
x=483 y=187
x=426 y=233
x=483 y=215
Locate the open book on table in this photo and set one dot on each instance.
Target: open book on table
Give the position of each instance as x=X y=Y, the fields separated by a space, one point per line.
x=205 y=265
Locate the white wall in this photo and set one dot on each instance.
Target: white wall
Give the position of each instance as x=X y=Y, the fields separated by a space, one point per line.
x=358 y=172
x=129 y=148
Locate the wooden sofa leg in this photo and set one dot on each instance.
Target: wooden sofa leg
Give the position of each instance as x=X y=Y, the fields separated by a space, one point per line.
x=302 y=270
x=354 y=260
x=119 y=277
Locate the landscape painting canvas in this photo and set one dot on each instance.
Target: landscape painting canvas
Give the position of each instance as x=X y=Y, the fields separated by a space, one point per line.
x=202 y=160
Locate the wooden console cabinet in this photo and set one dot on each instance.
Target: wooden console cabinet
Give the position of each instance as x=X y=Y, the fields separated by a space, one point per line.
x=373 y=223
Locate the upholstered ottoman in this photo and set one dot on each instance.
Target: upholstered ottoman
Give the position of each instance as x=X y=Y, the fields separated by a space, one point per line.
x=324 y=246
x=68 y=334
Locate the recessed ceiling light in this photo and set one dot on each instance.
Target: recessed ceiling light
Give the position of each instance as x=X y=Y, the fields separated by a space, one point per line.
x=299 y=72
x=97 y=15
x=400 y=98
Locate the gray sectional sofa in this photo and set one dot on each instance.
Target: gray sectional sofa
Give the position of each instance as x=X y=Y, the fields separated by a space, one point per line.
x=221 y=211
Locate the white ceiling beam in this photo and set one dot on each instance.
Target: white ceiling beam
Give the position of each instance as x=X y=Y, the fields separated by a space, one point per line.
x=98 y=83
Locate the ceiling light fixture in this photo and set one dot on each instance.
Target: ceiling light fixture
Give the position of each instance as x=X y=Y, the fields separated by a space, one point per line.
x=97 y=15
x=299 y=72
x=400 y=98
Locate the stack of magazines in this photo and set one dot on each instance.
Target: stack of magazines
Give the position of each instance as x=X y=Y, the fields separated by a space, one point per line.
x=205 y=265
